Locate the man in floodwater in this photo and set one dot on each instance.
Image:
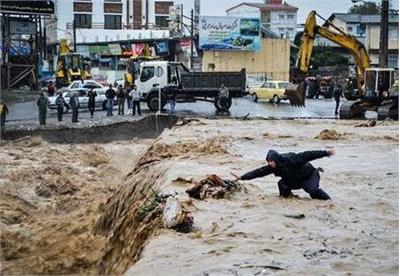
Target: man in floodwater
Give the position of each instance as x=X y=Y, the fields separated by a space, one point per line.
x=295 y=171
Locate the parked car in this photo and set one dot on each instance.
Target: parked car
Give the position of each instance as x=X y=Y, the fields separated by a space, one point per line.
x=101 y=100
x=101 y=79
x=273 y=91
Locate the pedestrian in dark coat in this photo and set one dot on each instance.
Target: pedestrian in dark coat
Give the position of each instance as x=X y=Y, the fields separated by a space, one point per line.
x=92 y=101
x=295 y=171
x=3 y=112
x=337 y=94
x=42 y=104
x=60 y=102
x=110 y=95
x=121 y=100
x=74 y=104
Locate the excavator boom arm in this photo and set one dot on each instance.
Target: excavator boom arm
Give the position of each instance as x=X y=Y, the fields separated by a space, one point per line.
x=295 y=91
x=350 y=43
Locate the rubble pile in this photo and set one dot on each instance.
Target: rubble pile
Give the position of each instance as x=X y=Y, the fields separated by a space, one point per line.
x=329 y=134
x=213 y=187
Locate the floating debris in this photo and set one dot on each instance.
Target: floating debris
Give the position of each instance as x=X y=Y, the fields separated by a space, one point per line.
x=213 y=187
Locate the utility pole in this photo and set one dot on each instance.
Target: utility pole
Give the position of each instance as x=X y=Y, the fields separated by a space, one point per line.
x=384 y=36
x=74 y=31
x=192 y=40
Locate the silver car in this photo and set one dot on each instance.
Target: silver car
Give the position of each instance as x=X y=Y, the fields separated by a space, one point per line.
x=100 y=100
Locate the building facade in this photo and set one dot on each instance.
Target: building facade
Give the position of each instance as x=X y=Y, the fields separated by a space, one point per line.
x=366 y=28
x=108 y=20
x=272 y=61
x=276 y=16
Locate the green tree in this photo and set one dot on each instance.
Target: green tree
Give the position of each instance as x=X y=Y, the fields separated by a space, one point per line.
x=326 y=56
x=366 y=8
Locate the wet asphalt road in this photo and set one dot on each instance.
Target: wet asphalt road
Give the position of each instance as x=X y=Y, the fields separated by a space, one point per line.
x=27 y=112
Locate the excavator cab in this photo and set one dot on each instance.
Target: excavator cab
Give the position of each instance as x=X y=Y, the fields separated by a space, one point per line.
x=74 y=63
x=378 y=82
x=69 y=68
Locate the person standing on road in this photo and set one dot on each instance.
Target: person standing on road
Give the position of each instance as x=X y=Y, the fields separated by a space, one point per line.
x=74 y=104
x=3 y=112
x=337 y=93
x=110 y=95
x=223 y=97
x=129 y=96
x=121 y=100
x=136 y=95
x=42 y=103
x=92 y=101
x=60 y=102
x=295 y=171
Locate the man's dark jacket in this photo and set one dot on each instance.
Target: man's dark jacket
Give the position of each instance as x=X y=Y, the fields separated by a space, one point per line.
x=292 y=167
x=110 y=94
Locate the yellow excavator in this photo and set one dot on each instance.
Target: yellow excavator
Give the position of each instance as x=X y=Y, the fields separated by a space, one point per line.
x=371 y=87
x=70 y=66
x=132 y=65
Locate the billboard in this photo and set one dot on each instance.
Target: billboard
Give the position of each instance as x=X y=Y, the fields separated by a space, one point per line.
x=229 y=33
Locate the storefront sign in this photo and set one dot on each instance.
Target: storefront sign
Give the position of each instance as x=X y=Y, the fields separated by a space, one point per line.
x=115 y=49
x=27 y=7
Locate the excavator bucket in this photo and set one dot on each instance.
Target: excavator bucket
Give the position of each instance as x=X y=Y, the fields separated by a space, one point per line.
x=296 y=94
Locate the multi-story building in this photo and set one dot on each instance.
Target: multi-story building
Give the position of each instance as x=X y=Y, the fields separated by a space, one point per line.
x=366 y=28
x=109 y=20
x=276 y=16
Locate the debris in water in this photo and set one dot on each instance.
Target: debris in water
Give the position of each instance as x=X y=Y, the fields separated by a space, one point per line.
x=296 y=216
x=213 y=186
x=370 y=123
x=328 y=134
x=175 y=217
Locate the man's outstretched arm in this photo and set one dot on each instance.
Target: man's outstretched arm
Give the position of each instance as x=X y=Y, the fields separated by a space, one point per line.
x=307 y=156
x=260 y=172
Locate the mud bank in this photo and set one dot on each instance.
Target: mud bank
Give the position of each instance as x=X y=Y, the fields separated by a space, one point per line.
x=91 y=208
x=147 y=128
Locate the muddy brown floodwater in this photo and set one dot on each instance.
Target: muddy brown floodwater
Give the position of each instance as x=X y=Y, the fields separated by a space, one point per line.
x=94 y=208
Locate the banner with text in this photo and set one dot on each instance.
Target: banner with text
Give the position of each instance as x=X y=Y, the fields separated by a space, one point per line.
x=229 y=33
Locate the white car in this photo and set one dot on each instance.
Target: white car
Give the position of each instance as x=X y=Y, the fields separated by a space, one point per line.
x=89 y=84
x=100 y=100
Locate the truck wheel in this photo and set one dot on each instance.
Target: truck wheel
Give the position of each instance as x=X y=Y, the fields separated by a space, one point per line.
x=152 y=102
x=255 y=98
x=327 y=95
x=275 y=99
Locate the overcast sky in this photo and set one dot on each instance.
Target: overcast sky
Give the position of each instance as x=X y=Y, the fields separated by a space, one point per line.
x=323 y=7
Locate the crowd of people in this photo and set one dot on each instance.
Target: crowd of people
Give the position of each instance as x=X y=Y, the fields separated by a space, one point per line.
x=130 y=96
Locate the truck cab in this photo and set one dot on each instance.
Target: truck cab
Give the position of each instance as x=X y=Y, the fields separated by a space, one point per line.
x=157 y=73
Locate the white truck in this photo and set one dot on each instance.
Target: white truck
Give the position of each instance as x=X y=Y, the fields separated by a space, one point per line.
x=176 y=81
